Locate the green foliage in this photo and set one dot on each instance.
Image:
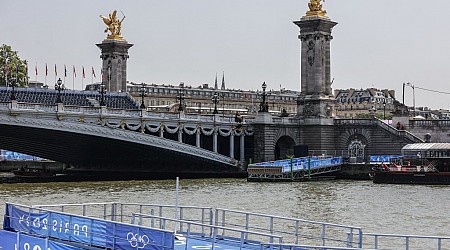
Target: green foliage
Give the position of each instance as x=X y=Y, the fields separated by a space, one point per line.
x=10 y=58
x=377 y=115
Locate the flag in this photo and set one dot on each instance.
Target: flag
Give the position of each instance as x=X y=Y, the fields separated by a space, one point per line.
x=93 y=72
x=102 y=75
x=74 y=72
x=56 y=72
x=46 y=70
x=84 y=76
x=36 y=69
x=65 y=71
x=7 y=70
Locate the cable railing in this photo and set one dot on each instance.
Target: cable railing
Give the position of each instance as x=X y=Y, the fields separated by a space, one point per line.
x=243 y=239
x=300 y=231
x=399 y=241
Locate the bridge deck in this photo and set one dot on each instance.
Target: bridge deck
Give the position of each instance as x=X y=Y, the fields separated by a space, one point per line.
x=296 y=169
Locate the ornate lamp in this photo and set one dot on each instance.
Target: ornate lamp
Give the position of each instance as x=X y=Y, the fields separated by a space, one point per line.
x=58 y=87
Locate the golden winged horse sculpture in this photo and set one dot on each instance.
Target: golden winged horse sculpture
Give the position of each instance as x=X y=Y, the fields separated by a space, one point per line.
x=114 y=26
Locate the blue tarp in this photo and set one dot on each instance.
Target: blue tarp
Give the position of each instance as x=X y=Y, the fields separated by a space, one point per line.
x=85 y=230
x=383 y=158
x=302 y=163
x=14 y=156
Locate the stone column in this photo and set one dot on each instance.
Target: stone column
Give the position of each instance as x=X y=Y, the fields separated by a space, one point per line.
x=242 y=147
x=232 y=144
x=197 y=138
x=180 y=134
x=215 y=141
x=115 y=56
x=316 y=98
x=161 y=131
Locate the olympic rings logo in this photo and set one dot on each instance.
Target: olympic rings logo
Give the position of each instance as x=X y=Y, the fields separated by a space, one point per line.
x=137 y=241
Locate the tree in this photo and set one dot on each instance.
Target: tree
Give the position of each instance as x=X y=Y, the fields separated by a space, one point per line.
x=8 y=62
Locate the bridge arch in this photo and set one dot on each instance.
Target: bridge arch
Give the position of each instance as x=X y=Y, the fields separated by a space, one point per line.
x=355 y=141
x=283 y=147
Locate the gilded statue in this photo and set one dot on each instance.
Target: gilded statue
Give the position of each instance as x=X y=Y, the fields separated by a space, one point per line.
x=114 y=26
x=315 y=8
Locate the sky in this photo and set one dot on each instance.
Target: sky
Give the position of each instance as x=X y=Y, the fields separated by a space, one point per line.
x=377 y=43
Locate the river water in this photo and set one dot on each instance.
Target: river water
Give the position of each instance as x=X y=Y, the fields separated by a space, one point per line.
x=393 y=209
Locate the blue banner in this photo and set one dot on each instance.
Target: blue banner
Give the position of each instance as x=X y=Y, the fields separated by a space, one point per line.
x=60 y=226
x=131 y=237
x=86 y=230
x=19 y=241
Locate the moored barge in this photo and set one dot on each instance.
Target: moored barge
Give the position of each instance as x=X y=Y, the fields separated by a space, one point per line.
x=421 y=163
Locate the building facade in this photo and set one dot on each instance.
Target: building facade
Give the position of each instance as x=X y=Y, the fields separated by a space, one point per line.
x=200 y=99
x=354 y=103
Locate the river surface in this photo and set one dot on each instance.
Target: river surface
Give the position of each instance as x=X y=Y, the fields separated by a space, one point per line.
x=393 y=209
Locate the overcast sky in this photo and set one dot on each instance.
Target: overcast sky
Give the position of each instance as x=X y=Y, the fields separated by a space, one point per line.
x=377 y=43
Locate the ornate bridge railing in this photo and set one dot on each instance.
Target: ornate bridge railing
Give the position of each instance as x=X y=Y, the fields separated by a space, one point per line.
x=139 y=114
x=399 y=133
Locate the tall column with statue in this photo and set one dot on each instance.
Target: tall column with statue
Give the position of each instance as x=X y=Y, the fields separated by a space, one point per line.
x=114 y=54
x=316 y=98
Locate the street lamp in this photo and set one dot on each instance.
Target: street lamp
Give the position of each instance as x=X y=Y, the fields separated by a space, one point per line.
x=58 y=87
x=180 y=97
x=384 y=108
x=215 y=100
x=263 y=106
x=142 y=95
x=13 y=92
x=102 y=92
x=414 y=96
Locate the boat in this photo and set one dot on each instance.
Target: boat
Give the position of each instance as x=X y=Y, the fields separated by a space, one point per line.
x=24 y=171
x=420 y=163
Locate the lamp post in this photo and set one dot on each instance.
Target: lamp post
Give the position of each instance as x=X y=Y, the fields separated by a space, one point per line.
x=215 y=100
x=384 y=108
x=142 y=95
x=102 y=92
x=13 y=92
x=414 y=97
x=180 y=97
x=58 y=87
x=263 y=106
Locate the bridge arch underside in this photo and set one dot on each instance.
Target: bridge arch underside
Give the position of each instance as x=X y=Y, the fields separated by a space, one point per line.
x=284 y=147
x=100 y=155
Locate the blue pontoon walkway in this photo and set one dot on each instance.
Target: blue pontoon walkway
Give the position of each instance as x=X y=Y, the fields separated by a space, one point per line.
x=131 y=226
x=295 y=169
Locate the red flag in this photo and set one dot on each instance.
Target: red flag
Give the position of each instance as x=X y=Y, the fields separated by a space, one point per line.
x=46 y=70
x=84 y=76
x=93 y=72
x=36 y=69
x=56 y=72
x=74 y=72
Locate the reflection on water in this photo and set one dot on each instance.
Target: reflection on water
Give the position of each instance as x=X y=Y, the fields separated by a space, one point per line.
x=376 y=208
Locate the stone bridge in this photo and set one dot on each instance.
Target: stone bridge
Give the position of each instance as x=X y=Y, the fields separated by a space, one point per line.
x=125 y=142
x=91 y=140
